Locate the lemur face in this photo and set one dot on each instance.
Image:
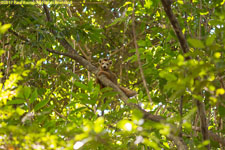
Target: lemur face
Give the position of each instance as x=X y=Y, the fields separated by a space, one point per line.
x=105 y=63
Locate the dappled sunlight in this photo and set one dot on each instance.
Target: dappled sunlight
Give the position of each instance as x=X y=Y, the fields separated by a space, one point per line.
x=104 y=75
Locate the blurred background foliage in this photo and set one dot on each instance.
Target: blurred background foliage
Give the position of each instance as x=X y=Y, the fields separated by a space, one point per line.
x=49 y=101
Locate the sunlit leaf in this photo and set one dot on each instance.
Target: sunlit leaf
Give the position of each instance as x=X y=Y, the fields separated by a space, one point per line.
x=220 y=91
x=4 y=28
x=2 y=51
x=99 y=125
x=126 y=125
x=148 y=4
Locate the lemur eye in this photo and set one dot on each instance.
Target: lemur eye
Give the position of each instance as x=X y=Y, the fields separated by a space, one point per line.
x=107 y=64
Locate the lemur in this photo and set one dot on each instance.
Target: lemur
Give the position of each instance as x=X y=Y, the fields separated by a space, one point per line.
x=104 y=68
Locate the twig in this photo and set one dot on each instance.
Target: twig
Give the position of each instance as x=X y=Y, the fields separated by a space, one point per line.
x=138 y=55
x=122 y=47
x=181 y=115
x=85 y=55
x=60 y=115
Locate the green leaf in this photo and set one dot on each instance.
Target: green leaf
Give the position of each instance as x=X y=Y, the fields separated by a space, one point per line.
x=26 y=92
x=50 y=108
x=117 y=20
x=141 y=43
x=127 y=3
x=33 y=95
x=83 y=96
x=80 y=85
x=90 y=86
x=16 y=101
x=180 y=2
x=169 y=76
x=132 y=100
x=39 y=62
x=210 y=40
x=78 y=110
x=40 y=105
x=109 y=94
x=137 y=115
x=196 y=43
x=221 y=111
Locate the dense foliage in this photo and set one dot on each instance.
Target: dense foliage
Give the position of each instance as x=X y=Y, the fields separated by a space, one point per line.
x=172 y=54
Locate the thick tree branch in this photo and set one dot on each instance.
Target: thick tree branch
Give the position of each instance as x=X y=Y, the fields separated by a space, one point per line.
x=79 y=59
x=176 y=26
x=102 y=78
x=203 y=121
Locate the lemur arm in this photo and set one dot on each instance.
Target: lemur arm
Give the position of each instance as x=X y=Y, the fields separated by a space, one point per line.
x=105 y=73
x=110 y=75
x=113 y=78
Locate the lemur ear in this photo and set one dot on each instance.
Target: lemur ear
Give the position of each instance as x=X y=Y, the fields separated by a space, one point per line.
x=110 y=62
x=100 y=60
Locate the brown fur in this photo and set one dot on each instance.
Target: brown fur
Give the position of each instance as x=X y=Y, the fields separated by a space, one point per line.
x=104 y=67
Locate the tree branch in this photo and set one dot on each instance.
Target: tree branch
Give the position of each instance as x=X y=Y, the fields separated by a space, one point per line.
x=203 y=121
x=62 y=41
x=176 y=26
x=79 y=59
x=178 y=141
